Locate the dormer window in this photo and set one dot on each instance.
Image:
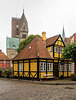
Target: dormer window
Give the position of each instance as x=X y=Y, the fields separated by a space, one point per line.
x=29 y=48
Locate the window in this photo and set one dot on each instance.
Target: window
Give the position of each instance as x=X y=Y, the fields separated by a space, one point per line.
x=51 y=48
x=43 y=66
x=69 y=67
x=57 y=49
x=60 y=50
x=23 y=36
x=49 y=67
x=4 y=62
x=17 y=31
x=20 y=66
x=60 y=67
x=65 y=67
x=24 y=27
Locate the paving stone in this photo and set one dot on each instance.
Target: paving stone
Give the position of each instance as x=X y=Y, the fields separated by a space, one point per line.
x=24 y=90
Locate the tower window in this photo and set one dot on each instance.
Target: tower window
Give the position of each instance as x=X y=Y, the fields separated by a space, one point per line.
x=23 y=36
x=24 y=27
x=17 y=31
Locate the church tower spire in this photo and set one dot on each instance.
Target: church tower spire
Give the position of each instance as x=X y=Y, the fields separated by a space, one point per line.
x=63 y=34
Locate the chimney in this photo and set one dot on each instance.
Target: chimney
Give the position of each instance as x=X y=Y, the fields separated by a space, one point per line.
x=44 y=35
x=0 y=50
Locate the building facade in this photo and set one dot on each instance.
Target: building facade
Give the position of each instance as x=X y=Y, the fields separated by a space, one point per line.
x=18 y=34
x=42 y=57
x=20 y=27
x=71 y=39
x=4 y=60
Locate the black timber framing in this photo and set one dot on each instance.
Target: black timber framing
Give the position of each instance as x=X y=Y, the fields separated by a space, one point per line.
x=18 y=68
x=29 y=68
x=23 y=68
x=58 y=67
x=53 y=50
x=37 y=68
x=67 y=69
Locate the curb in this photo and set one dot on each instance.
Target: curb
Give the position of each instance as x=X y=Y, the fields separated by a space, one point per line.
x=37 y=82
x=57 y=83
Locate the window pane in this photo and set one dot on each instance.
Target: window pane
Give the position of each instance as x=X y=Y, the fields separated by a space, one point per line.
x=51 y=48
x=41 y=66
x=44 y=66
x=4 y=61
x=50 y=67
x=23 y=36
x=20 y=66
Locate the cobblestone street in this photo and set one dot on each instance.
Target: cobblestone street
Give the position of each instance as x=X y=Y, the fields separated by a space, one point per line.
x=22 y=90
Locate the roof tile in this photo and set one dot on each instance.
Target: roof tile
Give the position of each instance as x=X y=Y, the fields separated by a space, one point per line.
x=34 y=49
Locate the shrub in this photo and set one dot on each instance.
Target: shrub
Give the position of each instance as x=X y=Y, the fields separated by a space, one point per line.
x=61 y=77
x=0 y=72
x=73 y=77
x=7 y=73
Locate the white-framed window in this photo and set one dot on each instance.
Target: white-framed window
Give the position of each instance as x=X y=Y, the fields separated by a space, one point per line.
x=20 y=66
x=60 y=67
x=65 y=67
x=4 y=61
x=51 y=48
x=60 y=50
x=49 y=66
x=57 y=49
x=69 y=67
x=43 y=66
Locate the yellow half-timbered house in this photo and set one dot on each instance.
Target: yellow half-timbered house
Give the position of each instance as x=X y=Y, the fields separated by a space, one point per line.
x=61 y=67
x=42 y=57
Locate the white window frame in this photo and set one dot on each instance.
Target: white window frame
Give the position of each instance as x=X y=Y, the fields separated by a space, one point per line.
x=43 y=68
x=69 y=67
x=65 y=67
x=60 y=50
x=57 y=49
x=61 y=67
x=4 y=61
x=20 y=66
x=50 y=67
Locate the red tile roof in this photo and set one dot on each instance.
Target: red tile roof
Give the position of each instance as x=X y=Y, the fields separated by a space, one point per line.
x=34 y=49
x=3 y=56
x=51 y=40
x=67 y=40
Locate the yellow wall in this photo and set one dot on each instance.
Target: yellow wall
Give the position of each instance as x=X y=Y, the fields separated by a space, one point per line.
x=65 y=74
x=49 y=48
x=58 y=43
x=26 y=66
x=33 y=67
x=42 y=73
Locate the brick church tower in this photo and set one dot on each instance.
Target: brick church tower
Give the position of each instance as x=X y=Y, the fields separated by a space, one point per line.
x=20 y=27
x=18 y=34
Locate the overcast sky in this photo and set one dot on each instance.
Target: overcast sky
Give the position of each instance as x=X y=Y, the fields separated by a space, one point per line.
x=42 y=15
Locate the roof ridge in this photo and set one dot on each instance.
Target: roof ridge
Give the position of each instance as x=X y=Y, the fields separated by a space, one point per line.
x=53 y=36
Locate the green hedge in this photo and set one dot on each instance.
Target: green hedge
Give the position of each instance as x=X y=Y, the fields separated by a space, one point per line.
x=7 y=72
